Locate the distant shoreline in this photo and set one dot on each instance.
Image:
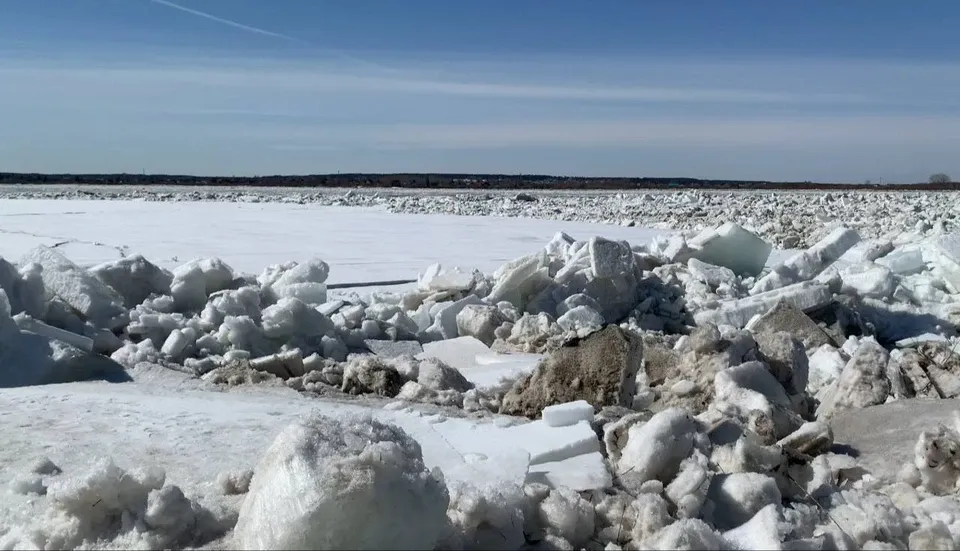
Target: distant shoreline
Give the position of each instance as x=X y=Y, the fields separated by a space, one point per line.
x=441 y=181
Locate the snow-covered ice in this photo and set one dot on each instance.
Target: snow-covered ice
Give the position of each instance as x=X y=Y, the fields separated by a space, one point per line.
x=361 y=244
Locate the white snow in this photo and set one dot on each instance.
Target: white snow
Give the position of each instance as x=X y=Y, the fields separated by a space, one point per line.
x=378 y=246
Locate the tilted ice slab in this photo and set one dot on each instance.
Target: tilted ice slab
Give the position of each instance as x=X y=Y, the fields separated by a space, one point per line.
x=804 y=295
x=808 y=264
x=480 y=366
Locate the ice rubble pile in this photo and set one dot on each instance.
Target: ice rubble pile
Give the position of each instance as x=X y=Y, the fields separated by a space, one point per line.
x=203 y=316
x=683 y=482
x=784 y=218
x=717 y=437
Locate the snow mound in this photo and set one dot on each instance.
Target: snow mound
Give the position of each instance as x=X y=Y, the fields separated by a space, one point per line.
x=108 y=507
x=350 y=483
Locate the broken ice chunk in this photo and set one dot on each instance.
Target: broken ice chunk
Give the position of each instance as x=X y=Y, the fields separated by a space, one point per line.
x=786 y=317
x=290 y=317
x=283 y=365
x=393 y=349
x=436 y=278
x=863 y=381
x=459 y=353
x=578 y=299
x=135 y=278
x=737 y=497
x=912 y=342
x=301 y=280
x=90 y=297
x=826 y=364
x=26 y=323
x=500 y=371
x=28 y=359
x=868 y=280
x=24 y=288
x=562 y=415
x=547 y=444
x=445 y=324
x=581 y=473
x=201 y=276
x=176 y=343
x=676 y=249
x=331 y=307
x=732 y=247
x=559 y=245
x=804 y=296
x=866 y=251
x=480 y=321
x=520 y=278
x=807 y=264
x=713 y=276
x=653 y=450
x=610 y=259
x=906 y=260
x=751 y=387
x=945 y=254
x=581 y=320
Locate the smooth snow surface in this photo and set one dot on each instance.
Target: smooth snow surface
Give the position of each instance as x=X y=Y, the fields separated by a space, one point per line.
x=360 y=244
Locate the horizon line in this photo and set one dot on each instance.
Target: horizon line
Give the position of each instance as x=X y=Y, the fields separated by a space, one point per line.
x=447 y=174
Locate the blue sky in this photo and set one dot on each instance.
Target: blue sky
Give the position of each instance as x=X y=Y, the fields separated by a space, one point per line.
x=815 y=90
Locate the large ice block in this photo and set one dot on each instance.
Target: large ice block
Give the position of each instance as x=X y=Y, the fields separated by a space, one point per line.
x=945 y=254
x=732 y=247
x=90 y=297
x=904 y=260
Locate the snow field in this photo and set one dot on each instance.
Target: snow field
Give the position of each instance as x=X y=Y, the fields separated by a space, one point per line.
x=361 y=244
x=786 y=219
x=737 y=362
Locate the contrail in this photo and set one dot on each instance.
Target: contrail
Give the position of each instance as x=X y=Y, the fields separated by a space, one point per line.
x=264 y=32
x=227 y=22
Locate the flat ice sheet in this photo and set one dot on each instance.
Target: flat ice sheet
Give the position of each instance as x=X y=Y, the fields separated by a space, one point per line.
x=360 y=244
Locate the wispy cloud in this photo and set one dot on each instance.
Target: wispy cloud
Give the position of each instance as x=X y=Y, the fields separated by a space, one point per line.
x=805 y=120
x=818 y=131
x=228 y=22
x=306 y=80
x=563 y=91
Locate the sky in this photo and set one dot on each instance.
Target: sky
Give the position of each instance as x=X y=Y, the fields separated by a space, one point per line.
x=818 y=90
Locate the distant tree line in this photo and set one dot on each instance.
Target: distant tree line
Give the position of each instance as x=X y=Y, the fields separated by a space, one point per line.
x=937 y=182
